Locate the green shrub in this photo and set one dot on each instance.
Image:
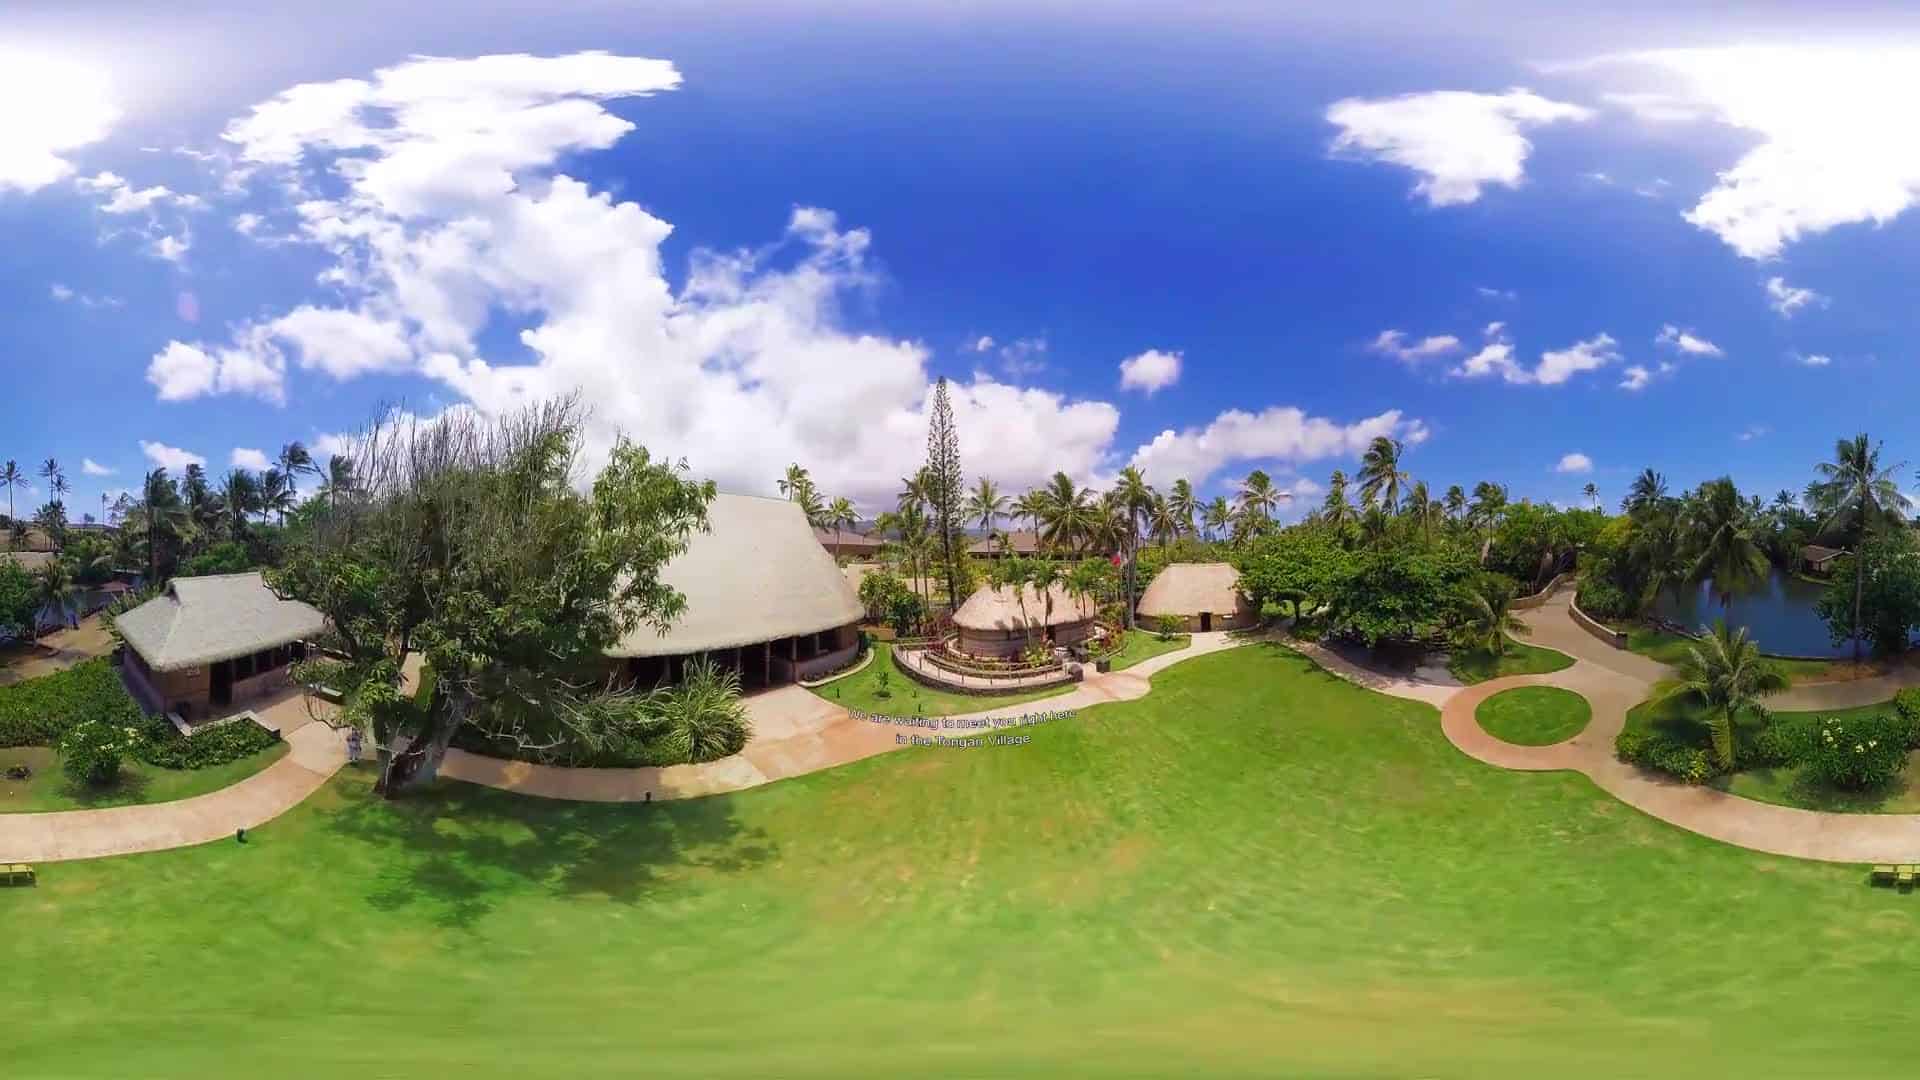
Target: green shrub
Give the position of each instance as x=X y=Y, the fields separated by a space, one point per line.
x=1167 y=626
x=1857 y=752
x=165 y=747
x=91 y=750
x=39 y=711
x=1906 y=708
x=1603 y=599
x=1661 y=753
x=1777 y=745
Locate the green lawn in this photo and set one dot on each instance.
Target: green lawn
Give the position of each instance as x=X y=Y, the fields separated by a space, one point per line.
x=1785 y=785
x=1144 y=644
x=1534 y=715
x=1257 y=870
x=49 y=789
x=1478 y=665
x=906 y=697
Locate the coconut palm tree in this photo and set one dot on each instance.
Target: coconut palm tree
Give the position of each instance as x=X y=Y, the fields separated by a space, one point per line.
x=793 y=480
x=295 y=459
x=1068 y=517
x=11 y=476
x=1486 y=620
x=1217 y=516
x=1857 y=495
x=841 y=515
x=1258 y=495
x=276 y=493
x=915 y=490
x=202 y=507
x=1647 y=491
x=1422 y=509
x=1592 y=493
x=239 y=497
x=1381 y=478
x=986 y=505
x=1181 y=501
x=1135 y=498
x=339 y=480
x=1030 y=507
x=163 y=518
x=1456 y=502
x=53 y=592
x=1162 y=523
x=1335 y=510
x=1723 y=540
x=1725 y=672
x=1046 y=574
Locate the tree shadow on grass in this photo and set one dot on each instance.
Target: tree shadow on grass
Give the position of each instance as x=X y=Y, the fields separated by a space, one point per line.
x=458 y=849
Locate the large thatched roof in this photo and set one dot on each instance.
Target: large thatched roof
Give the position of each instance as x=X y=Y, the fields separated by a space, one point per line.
x=203 y=620
x=758 y=575
x=1188 y=589
x=997 y=607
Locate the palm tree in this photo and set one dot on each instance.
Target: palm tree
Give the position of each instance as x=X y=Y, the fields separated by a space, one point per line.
x=1723 y=541
x=1259 y=496
x=1381 y=478
x=1659 y=552
x=1858 y=496
x=239 y=497
x=276 y=493
x=294 y=460
x=53 y=589
x=1456 y=502
x=340 y=479
x=164 y=517
x=1045 y=575
x=915 y=490
x=1015 y=573
x=1183 y=505
x=1135 y=498
x=11 y=476
x=1162 y=523
x=1487 y=620
x=794 y=479
x=1067 y=514
x=841 y=515
x=1030 y=506
x=986 y=505
x=1647 y=491
x=1421 y=507
x=56 y=484
x=1724 y=671
x=1217 y=516
x=1592 y=493
x=1335 y=510
x=202 y=509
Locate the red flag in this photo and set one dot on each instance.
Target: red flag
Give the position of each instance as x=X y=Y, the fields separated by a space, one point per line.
x=1116 y=560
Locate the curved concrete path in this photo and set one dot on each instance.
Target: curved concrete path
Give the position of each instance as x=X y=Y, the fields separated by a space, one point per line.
x=1614 y=681
x=796 y=732
x=315 y=752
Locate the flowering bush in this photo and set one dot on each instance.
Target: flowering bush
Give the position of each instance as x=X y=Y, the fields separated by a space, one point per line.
x=1856 y=752
x=91 y=751
x=1652 y=750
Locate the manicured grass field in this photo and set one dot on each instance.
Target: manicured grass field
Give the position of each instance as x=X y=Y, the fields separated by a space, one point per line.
x=1257 y=870
x=1534 y=715
x=1477 y=665
x=1785 y=785
x=1144 y=644
x=906 y=697
x=49 y=789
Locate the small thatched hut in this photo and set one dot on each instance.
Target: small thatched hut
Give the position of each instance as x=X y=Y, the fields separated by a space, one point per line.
x=998 y=621
x=209 y=643
x=1204 y=596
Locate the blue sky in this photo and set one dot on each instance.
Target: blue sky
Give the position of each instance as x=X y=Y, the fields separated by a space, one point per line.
x=753 y=236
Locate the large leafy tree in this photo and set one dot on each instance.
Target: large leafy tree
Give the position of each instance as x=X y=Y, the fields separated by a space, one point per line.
x=1724 y=672
x=1886 y=609
x=1857 y=494
x=471 y=546
x=17 y=605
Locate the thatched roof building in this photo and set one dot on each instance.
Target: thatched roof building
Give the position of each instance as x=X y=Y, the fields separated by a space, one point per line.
x=998 y=621
x=762 y=594
x=210 y=642
x=1204 y=596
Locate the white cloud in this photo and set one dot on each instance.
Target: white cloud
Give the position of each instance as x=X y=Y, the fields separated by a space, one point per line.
x=1786 y=299
x=1026 y=356
x=1836 y=143
x=1686 y=341
x=245 y=458
x=1556 y=366
x=1637 y=378
x=66 y=294
x=1394 y=343
x=1815 y=359
x=252 y=365
x=1495 y=294
x=1493 y=329
x=1457 y=141
x=1753 y=432
x=1575 y=462
x=171 y=248
x=90 y=467
x=1279 y=433
x=169 y=457
x=1150 y=371
x=61 y=292
x=433 y=186
x=119 y=197
x=983 y=343
x=52 y=108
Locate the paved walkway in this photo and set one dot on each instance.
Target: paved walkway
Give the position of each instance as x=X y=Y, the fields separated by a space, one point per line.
x=315 y=752
x=56 y=651
x=1614 y=681
x=795 y=733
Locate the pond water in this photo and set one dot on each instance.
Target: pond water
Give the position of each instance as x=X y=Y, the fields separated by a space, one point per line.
x=1779 y=614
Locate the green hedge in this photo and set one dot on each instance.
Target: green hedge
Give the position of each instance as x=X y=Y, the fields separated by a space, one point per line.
x=39 y=712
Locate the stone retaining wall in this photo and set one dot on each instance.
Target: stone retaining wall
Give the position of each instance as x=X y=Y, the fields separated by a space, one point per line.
x=1595 y=627
x=1527 y=603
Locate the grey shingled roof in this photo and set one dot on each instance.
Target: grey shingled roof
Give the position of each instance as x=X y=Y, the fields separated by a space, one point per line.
x=758 y=575
x=1186 y=589
x=203 y=620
